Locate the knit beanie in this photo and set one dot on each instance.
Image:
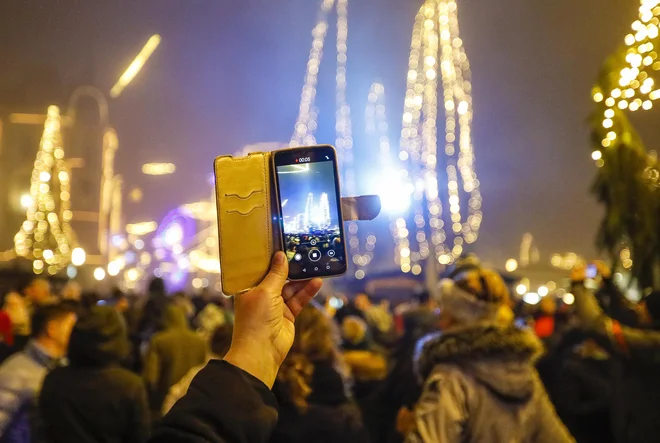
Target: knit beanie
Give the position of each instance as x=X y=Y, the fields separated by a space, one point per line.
x=476 y=296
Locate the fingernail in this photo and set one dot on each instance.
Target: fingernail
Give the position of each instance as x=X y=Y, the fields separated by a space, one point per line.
x=279 y=258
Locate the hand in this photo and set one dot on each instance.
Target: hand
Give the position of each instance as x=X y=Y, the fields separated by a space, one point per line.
x=405 y=421
x=264 y=321
x=603 y=269
x=579 y=273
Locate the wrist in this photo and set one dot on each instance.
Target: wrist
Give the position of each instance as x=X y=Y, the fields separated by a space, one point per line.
x=255 y=359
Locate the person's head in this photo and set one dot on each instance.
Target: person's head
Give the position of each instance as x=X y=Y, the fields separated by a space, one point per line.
x=99 y=338
x=424 y=299
x=362 y=302
x=157 y=286
x=120 y=301
x=316 y=335
x=37 y=291
x=475 y=296
x=72 y=291
x=220 y=340
x=174 y=317
x=52 y=325
x=353 y=331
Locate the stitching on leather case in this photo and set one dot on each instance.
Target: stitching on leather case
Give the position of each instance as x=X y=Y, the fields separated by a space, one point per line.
x=237 y=195
x=269 y=215
x=234 y=211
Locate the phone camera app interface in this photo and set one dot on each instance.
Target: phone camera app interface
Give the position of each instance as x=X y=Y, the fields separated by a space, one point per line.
x=310 y=218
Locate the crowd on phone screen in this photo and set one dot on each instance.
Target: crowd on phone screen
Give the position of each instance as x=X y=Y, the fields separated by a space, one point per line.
x=462 y=362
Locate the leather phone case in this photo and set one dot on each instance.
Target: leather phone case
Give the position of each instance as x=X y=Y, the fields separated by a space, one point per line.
x=247 y=207
x=245 y=213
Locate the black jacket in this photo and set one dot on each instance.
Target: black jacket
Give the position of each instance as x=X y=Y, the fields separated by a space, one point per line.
x=94 y=405
x=635 y=367
x=223 y=405
x=94 y=399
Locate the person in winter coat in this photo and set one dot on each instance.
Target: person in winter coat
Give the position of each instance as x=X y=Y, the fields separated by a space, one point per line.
x=635 y=357
x=480 y=382
x=94 y=399
x=219 y=345
x=22 y=374
x=311 y=387
x=230 y=400
x=171 y=354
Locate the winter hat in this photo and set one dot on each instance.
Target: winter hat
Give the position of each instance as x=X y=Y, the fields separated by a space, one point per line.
x=474 y=296
x=98 y=339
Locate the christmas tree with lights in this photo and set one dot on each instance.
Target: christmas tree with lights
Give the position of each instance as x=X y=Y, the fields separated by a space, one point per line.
x=45 y=236
x=628 y=179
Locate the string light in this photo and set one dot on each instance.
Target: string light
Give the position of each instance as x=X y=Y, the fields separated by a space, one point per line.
x=46 y=232
x=135 y=66
x=635 y=84
x=437 y=54
x=306 y=123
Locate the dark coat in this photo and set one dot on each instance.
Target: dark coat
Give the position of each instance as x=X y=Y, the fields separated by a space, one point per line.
x=330 y=418
x=94 y=399
x=223 y=405
x=172 y=353
x=635 y=368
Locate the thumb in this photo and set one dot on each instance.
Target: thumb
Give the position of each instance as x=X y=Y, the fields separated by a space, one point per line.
x=276 y=277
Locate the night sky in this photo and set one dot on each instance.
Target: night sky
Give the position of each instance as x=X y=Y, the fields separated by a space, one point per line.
x=229 y=73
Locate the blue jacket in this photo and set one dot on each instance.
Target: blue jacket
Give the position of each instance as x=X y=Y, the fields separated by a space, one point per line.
x=21 y=376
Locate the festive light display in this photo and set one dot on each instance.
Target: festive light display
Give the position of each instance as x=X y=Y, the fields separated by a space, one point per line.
x=628 y=83
x=158 y=168
x=135 y=66
x=46 y=236
x=437 y=54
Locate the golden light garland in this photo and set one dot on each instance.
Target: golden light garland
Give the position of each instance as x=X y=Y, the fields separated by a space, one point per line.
x=46 y=236
x=636 y=87
x=437 y=53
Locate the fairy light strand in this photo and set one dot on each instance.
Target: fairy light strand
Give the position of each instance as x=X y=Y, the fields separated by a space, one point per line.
x=46 y=236
x=306 y=123
x=437 y=54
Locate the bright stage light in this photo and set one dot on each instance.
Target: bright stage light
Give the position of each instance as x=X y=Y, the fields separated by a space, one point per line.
x=394 y=196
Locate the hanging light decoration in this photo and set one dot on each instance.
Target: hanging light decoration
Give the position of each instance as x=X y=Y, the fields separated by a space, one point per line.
x=437 y=55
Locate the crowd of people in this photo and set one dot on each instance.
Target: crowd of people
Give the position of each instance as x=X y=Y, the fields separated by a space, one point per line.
x=463 y=362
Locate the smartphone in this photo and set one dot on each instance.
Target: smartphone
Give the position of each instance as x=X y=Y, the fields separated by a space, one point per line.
x=592 y=271
x=310 y=218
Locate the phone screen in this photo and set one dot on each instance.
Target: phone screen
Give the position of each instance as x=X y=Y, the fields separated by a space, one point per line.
x=310 y=209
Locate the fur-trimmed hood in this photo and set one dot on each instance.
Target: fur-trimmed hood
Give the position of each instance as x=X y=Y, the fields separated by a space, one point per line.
x=501 y=358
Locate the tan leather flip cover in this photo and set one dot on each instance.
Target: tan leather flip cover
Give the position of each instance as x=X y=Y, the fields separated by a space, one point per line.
x=244 y=220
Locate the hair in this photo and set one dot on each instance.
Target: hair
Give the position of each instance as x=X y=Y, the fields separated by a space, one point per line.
x=316 y=341
x=157 y=286
x=117 y=294
x=220 y=340
x=45 y=314
x=423 y=297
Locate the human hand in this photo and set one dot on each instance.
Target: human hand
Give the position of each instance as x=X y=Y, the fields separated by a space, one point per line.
x=264 y=321
x=405 y=421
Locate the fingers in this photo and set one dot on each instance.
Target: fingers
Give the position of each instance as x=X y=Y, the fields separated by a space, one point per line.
x=303 y=292
x=276 y=277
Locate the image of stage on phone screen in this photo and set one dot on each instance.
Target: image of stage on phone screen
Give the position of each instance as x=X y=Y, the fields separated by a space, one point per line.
x=310 y=219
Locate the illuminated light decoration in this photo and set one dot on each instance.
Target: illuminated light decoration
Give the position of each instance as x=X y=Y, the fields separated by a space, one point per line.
x=99 y=274
x=71 y=272
x=532 y=298
x=46 y=227
x=437 y=55
x=511 y=265
x=135 y=195
x=115 y=266
x=158 y=168
x=135 y=66
x=142 y=228
x=542 y=291
x=568 y=298
x=78 y=256
x=521 y=289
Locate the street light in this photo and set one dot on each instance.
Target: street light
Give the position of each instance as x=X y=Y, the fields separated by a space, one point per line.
x=135 y=66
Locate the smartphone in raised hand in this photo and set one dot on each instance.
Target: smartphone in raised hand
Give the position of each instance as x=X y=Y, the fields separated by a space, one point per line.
x=310 y=218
